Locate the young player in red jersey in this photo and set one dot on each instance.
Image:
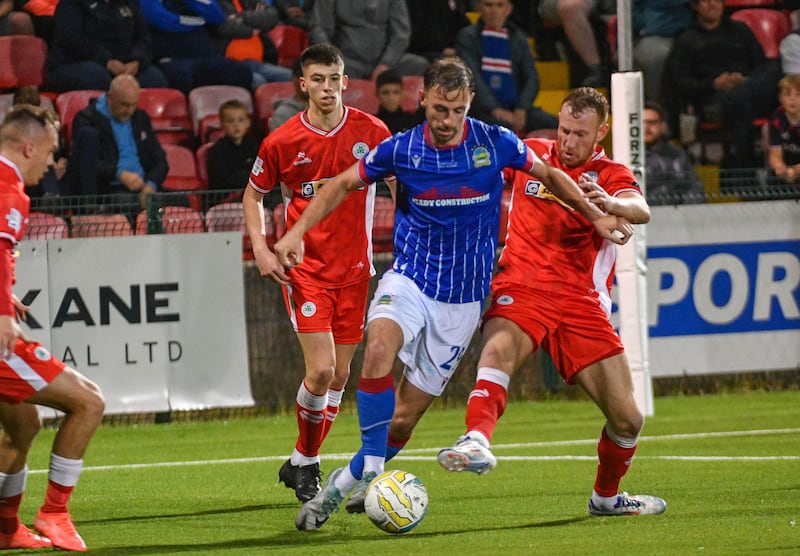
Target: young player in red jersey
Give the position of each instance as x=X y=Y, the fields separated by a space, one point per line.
x=552 y=290
x=29 y=374
x=326 y=297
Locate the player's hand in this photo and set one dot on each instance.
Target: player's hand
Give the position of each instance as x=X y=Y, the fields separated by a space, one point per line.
x=614 y=228
x=289 y=250
x=9 y=332
x=20 y=308
x=270 y=267
x=595 y=193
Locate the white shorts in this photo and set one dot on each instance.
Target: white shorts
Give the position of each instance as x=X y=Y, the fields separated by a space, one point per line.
x=435 y=334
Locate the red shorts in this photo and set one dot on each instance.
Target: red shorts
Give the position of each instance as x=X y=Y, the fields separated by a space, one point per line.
x=571 y=326
x=315 y=308
x=29 y=370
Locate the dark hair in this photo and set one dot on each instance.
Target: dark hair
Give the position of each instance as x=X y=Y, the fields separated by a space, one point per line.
x=388 y=77
x=297 y=68
x=449 y=73
x=587 y=98
x=321 y=53
x=657 y=108
x=28 y=94
x=28 y=117
x=231 y=104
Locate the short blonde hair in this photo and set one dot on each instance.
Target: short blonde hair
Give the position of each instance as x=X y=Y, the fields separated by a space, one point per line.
x=789 y=81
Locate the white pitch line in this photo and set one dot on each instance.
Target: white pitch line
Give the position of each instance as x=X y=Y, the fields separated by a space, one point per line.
x=407 y=454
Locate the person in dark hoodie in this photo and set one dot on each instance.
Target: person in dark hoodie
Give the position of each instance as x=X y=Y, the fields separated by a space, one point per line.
x=95 y=41
x=185 y=49
x=114 y=148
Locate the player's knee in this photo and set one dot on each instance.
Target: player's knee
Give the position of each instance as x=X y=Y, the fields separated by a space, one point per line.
x=628 y=425
x=319 y=377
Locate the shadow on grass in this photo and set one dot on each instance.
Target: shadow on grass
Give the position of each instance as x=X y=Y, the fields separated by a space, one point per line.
x=150 y=517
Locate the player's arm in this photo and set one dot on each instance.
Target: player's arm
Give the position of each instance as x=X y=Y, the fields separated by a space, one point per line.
x=565 y=188
x=630 y=205
x=266 y=260
x=9 y=327
x=289 y=248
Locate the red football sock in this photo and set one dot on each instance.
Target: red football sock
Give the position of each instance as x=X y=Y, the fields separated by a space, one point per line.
x=56 y=498
x=334 y=401
x=9 y=514
x=310 y=411
x=614 y=463
x=487 y=402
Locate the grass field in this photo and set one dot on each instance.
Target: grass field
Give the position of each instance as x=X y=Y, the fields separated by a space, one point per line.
x=728 y=466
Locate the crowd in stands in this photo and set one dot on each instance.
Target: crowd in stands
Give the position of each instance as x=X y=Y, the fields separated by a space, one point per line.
x=703 y=62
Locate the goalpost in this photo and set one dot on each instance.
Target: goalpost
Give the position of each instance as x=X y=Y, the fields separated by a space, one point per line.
x=631 y=267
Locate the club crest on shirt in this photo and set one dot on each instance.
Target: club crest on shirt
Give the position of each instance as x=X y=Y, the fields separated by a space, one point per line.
x=592 y=175
x=308 y=309
x=505 y=300
x=14 y=219
x=41 y=353
x=481 y=157
x=360 y=150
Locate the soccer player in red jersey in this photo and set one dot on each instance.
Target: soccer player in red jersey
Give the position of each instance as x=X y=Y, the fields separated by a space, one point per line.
x=552 y=290
x=326 y=297
x=29 y=374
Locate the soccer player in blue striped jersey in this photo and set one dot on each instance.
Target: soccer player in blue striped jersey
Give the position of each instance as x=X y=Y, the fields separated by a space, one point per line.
x=426 y=308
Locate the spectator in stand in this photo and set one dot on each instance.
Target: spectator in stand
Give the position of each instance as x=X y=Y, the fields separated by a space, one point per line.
x=506 y=81
x=114 y=148
x=434 y=25
x=50 y=184
x=790 y=52
x=294 y=12
x=374 y=36
x=41 y=13
x=389 y=90
x=93 y=42
x=244 y=33
x=671 y=178
x=656 y=24
x=718 y=67
x=184 y=48
x=575 y=18
x=285 y=108
x=231 y=158
x=783 y=142
x=14 y=22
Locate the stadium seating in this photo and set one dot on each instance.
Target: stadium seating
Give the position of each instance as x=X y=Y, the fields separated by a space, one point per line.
x=70 y=103
x=550 y=100
x=100 y=225
x=7 y=99
x=182 y=175
x=264 y=98
x=360 y=93
x=204 y=103
x=769 y=27
x=383 y=225
x=201 y=156
x=169 y=114
x=412 y=84
x=733 y=5
x=174 y=220
x=22 y=60
x=43 y=225
x=290 y=41
x=229 y=217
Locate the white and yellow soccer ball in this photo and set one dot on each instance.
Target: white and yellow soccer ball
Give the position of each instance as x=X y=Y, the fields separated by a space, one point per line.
x=396 y=501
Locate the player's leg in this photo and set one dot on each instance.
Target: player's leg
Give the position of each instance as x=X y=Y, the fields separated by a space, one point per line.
x=20 y=423
x=82 y=403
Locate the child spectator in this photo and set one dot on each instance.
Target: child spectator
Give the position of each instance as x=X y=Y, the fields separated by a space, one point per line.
x=389 y=90
x=783 y=150
x=231 y=158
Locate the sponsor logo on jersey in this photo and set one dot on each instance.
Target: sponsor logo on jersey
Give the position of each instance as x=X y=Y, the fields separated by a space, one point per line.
x=308 y=309
x=41 y=353
x=258 y=167
x=385 y=299
x=310 y=189
x=535 y=188
x=505 y=300
x=360 y=150
x=481 y=157
x=301 y=159
x=465 y=197
x=14 y=219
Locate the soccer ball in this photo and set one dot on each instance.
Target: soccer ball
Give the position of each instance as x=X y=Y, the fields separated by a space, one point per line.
x=396 y=501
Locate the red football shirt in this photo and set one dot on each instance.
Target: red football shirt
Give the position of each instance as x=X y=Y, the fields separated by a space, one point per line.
x=301 y=158
x=14 y=208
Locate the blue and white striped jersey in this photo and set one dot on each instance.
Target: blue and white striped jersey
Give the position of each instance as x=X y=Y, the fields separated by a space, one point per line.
x=448 y=205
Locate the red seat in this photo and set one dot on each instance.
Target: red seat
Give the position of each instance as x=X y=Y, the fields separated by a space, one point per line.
x=22 y=59
x=265 y=97
x=182 y=174
x=169 y=114
x=204 y=103
x=383 y=225
x=289 y=41
x=70 y=103
x=611 y=31
x=360 y=93
x=100 y=225
x=739 y=4
x=201 y=162
x=174 y=220
x=43 y=225
x=229 y=217
x=412 y=84
x=769 y=27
